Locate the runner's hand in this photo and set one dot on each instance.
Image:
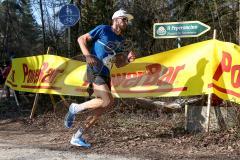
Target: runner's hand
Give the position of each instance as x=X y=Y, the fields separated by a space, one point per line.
x=131 y=56
x=91 y=60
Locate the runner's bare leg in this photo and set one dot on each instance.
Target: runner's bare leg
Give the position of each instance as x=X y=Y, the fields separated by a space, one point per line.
x=97 y=106
x=104 y=94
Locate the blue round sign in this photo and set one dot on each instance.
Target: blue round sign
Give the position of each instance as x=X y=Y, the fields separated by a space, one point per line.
x=69 y=15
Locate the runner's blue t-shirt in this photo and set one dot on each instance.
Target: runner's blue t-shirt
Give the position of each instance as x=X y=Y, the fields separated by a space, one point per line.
x=105 y=42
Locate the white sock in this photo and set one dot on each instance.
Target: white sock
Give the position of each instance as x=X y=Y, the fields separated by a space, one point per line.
x=79 y=133
x=75 y=108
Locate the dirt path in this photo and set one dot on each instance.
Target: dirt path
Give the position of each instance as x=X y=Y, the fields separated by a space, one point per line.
x=20 y=145
x=10 y=151
x=116 y=137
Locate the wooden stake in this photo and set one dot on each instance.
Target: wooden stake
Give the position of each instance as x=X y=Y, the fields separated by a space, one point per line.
x=15 y=96
x=214 y=33
x=208 y=111
x=51 y=97
x=66 y=104
x=53 y=102
x=209 y=97
x=37 y=96
x=186 y=115
x=34 y=105
x=2 y=93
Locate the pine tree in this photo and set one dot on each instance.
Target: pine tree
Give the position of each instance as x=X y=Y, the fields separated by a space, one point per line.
x=29 y=30
x=18 y=29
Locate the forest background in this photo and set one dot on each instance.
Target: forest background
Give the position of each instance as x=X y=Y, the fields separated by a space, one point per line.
x=28 y=27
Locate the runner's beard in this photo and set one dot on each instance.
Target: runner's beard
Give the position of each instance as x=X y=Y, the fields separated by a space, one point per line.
x=122 y=28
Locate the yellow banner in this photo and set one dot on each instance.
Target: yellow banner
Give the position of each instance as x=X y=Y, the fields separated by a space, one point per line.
x=207 y=67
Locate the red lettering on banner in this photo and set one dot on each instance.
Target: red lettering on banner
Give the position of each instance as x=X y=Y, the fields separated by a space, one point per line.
x=151 y=79
x=47 y=77
x=175 y=73
x=153 y=68
x=43 y=75
x=117 y=79
x=131 y=75
x=155 y=74
x=51 y=75
x=131 y=80
x=152 y=76
x=140 y=74
x=235 y=71
x=25 y=72
x=166 y=77
x=224 y=66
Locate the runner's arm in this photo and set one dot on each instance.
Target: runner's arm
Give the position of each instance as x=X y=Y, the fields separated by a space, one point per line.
x=82 y=40
x=122 y=59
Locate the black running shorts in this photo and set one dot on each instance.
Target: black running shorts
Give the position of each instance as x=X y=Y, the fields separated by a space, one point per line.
x=98 y=79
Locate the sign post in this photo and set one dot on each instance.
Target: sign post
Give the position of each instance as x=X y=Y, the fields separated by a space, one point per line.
x=179 y=29
x=69 y=15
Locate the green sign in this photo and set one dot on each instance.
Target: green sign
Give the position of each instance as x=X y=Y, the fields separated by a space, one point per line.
x=179 y=29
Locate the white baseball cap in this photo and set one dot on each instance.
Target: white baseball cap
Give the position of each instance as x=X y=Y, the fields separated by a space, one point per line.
x=122 y=13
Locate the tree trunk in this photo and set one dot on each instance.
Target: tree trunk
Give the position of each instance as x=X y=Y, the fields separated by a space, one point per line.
x=43 y=27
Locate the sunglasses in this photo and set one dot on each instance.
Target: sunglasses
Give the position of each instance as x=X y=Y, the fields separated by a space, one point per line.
x=124 y=19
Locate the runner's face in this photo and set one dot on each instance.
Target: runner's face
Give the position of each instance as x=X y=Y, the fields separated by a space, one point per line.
x=122 y=23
